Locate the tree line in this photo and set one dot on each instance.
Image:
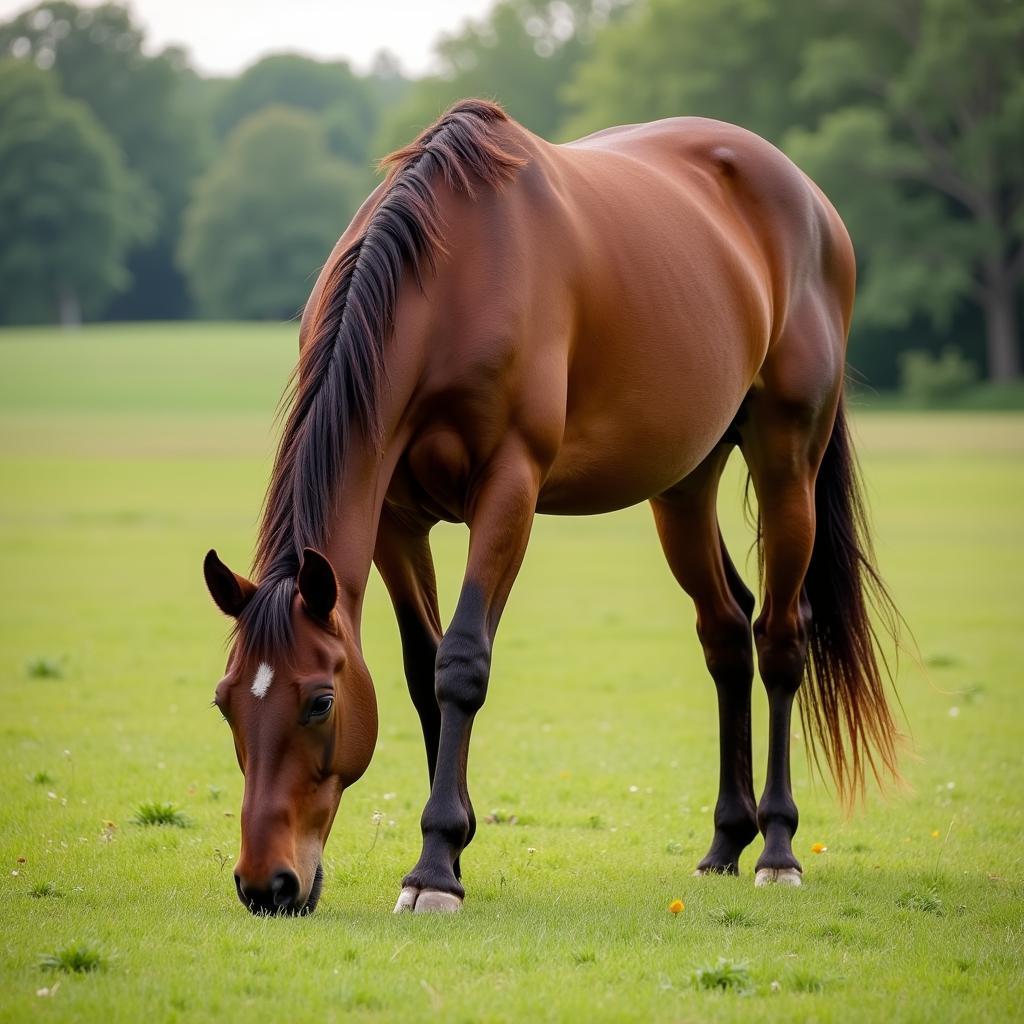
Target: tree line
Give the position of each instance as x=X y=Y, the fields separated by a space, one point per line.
x=133 y=188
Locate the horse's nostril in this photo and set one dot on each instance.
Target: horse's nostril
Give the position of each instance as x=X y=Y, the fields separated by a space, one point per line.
x=279 y=896
x=285 y=889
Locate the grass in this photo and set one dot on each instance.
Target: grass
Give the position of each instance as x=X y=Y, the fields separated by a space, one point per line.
x=77 y=958
x=725 y=976
x=44 y=668
x=927 y=901
x=732 y=917
x=126 y=452
x=44 y=890
x=156 y=813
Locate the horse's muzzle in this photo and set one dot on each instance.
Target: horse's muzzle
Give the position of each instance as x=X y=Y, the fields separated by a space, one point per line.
x=280 y=896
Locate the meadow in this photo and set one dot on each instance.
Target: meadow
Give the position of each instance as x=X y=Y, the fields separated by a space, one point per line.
x=126 y=452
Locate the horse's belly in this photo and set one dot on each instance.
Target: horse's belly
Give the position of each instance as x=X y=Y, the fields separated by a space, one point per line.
x=591 y=483
x=637 y=446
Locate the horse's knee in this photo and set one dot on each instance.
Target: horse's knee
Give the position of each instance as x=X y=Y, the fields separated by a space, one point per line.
x=782 y=647
x=728 y=652
x=462 y=670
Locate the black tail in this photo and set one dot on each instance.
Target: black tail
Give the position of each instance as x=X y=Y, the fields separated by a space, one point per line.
x=843 y=703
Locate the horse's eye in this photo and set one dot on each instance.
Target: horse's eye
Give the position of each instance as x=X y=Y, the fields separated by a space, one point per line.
x=321 y=706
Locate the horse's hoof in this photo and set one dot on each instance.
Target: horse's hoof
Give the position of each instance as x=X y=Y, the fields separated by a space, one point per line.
x=427 y=901
x=433 y=901
x=780 y=876
x=406 y=900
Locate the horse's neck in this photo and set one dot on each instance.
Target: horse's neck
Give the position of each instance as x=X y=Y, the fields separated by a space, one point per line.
x=353 y=532
x=365 y=478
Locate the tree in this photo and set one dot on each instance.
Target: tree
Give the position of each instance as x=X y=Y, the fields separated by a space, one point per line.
x=922 y=147
x=521 y=54
x=97 y=55
x=320 y=87
x=66 y=202
x=265 y=217
x=729 y=59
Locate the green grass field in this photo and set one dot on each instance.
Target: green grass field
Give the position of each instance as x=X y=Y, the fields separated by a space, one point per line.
x=126 y=452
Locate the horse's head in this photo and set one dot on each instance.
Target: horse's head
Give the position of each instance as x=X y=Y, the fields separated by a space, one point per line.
x=304 y=722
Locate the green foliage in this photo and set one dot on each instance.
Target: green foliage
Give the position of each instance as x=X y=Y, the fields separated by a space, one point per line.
x=930 y=381
x=732 y=59
x=67 y=205
x=41 y=667
x=346 y=101
x=896 y=284
x=156 y=813
x=806 y=981
x=731 y=917
x=77 y=958
x=96 y=55
x=925 y=901
x=917 y=140
x=724 y=976
x=265 y=217
x=44 y=890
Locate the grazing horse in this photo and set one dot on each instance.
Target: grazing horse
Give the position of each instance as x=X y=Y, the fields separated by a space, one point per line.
x=510 y=327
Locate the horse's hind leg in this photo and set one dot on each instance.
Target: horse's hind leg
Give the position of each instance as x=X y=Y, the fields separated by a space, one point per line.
x=687 y=523
x=784 y=435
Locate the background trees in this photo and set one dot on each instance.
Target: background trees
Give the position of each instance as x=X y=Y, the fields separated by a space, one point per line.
x=920 y=139
x=265 y=216
x=69 y=209
x=95 y=54
x=908 y=112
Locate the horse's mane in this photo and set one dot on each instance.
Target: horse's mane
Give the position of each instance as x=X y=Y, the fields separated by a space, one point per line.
x=336 y=384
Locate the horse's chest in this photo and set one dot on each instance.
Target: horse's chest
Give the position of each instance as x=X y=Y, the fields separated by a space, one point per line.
x=431 y=477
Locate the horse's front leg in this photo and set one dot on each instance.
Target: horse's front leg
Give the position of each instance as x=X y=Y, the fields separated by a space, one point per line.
x=501 y=514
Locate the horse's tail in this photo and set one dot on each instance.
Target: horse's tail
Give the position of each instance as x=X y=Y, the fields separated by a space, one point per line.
x=843 y=704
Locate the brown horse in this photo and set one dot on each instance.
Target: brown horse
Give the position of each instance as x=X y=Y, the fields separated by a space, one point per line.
x=510 y=327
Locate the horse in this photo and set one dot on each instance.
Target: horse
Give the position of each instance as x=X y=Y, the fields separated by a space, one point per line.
x=511 y=327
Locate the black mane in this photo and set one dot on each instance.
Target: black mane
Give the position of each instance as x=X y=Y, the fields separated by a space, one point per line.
x=336 y=384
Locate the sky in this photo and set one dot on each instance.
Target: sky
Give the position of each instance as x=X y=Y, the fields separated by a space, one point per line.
x=224 y=36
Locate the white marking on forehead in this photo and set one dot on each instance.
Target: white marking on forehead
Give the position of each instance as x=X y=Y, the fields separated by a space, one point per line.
x=261 y=683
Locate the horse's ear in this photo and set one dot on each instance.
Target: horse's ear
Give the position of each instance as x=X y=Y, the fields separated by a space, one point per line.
x=317 y=584
x=230 y=592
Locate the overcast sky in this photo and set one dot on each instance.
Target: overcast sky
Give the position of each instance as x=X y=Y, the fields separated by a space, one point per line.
x=223 y=36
